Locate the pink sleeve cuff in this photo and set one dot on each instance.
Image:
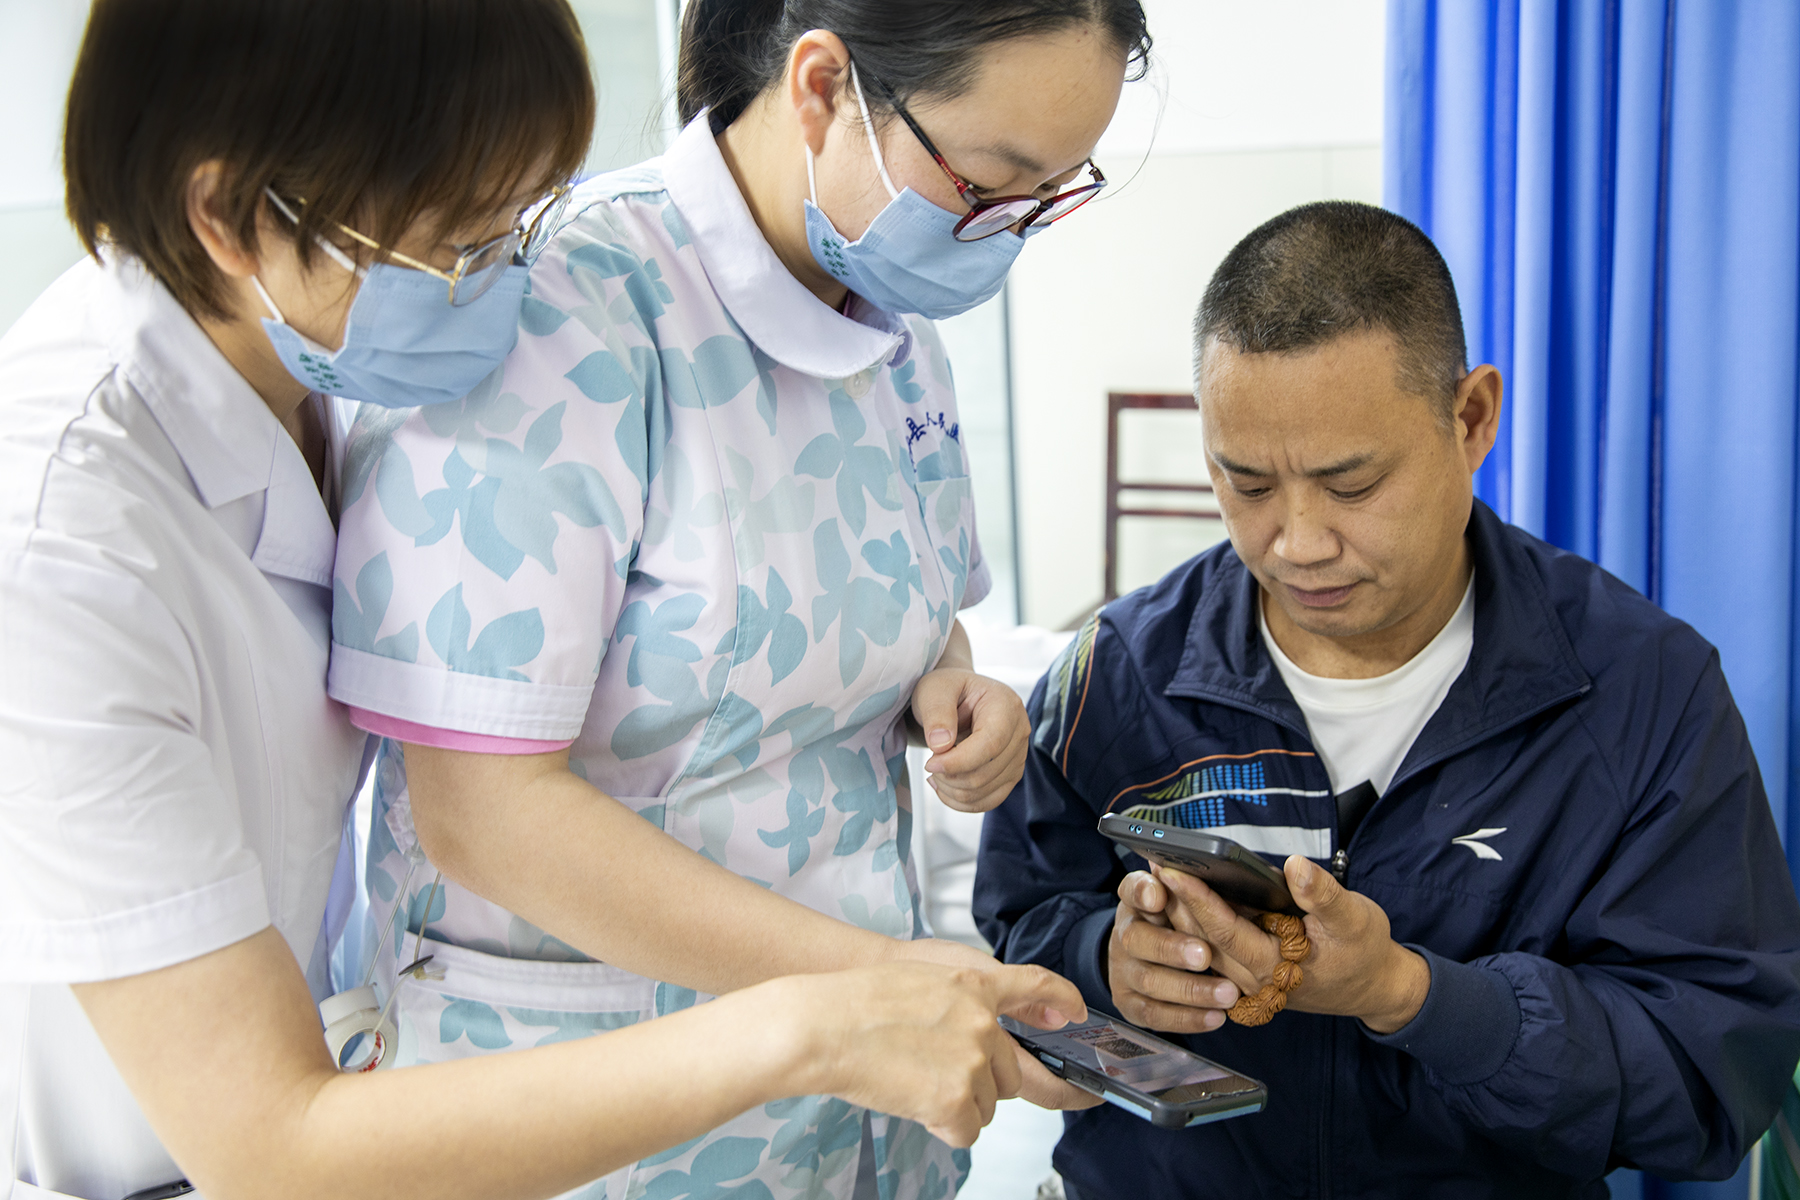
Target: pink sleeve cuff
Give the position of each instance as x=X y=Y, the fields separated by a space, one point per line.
x=448 y=739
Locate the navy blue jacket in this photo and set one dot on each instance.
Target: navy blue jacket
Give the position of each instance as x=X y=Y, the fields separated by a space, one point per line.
x=1614 y=981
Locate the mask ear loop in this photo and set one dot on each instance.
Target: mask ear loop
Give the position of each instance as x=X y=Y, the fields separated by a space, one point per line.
x=268 y=302
x=869 y=129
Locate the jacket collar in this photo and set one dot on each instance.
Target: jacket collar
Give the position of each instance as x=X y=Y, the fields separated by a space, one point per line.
x=777 y=313
x=1522 y=662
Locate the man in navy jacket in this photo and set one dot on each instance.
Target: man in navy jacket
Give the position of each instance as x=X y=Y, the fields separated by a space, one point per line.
x=1552 y=931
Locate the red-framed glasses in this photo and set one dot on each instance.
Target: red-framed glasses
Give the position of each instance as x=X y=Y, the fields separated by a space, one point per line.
x=988 y=217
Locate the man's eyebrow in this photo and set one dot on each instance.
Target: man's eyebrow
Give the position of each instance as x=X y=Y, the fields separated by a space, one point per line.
x=1353 y=463
x=1239 y=468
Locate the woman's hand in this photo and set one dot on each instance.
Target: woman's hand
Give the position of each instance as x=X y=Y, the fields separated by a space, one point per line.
x=921 y=1040
x=1056 y=1004
x=978 y=733
x=975 y=727
x=253 y=1105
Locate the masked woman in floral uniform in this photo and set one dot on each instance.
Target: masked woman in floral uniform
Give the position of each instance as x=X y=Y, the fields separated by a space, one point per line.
x=649 y=610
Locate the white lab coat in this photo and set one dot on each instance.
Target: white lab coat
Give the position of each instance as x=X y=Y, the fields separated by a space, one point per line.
x=174 y=777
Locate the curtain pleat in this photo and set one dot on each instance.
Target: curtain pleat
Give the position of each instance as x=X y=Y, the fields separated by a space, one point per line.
x=1616 y=187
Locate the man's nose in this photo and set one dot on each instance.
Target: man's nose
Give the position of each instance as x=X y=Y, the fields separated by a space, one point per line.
x=1306 y=538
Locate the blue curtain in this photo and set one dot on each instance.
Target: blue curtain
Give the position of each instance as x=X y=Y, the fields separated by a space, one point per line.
x=1616 y=187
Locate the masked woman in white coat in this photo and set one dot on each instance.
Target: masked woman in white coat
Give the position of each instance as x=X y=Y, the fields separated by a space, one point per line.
x=286 y=200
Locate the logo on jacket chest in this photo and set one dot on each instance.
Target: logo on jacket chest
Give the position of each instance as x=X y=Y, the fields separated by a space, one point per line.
x=1478 y=842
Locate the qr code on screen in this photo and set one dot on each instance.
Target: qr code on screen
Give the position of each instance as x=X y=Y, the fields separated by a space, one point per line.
x=1111 y=1043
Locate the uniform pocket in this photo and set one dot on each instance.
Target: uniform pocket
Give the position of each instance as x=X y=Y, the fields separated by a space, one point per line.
x=487 y=1002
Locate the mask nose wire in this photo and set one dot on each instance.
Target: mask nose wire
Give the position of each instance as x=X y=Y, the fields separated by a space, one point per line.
x=869 y=129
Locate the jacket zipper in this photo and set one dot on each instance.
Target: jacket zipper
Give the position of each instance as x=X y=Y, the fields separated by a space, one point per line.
x=1325 y=1097
x=1340 y=864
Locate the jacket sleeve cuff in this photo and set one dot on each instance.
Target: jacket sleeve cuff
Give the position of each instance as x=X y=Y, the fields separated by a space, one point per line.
x=1467 y=1027
x=1083 y=961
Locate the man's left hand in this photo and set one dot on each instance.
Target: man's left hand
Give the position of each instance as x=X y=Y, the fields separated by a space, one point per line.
x=1355 y=969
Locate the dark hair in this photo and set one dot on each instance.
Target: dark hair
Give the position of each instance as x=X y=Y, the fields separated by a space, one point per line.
x=1323 y=270
x=375 y=112
x=731 y=50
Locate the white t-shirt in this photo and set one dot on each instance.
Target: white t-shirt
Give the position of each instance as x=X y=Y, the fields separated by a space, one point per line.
x=175 y=777
x=1362 y=728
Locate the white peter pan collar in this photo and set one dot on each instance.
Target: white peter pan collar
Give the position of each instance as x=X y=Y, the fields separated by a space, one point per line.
x=229 y=441
x=775 y=310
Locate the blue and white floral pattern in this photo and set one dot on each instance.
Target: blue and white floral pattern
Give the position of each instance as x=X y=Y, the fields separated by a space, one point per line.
x=721 y=576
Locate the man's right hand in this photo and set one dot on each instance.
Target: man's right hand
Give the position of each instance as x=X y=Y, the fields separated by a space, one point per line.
x=1155 y=971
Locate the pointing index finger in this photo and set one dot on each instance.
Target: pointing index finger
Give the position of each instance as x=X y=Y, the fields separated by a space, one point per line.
x=1037 y=996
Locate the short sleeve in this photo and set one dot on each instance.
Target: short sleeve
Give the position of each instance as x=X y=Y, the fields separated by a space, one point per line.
x=121 y=850
x=484 y=545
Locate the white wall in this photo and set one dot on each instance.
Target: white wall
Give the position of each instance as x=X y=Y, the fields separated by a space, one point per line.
x=1250 y=109
x=38 y=42
x=633 y=83
x=38 y=39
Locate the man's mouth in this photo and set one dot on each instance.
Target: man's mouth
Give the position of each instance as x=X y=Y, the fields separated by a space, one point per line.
x=1320 y=597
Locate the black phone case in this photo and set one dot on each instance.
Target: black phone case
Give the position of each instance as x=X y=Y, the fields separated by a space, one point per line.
x=1159 y=1112
x=1230 y=870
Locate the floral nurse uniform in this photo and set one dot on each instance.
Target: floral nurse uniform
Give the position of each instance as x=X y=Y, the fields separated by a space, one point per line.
x=712 y=532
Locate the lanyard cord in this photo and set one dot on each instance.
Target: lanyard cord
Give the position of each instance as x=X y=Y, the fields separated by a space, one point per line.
x=416 y=969
x=412 y=865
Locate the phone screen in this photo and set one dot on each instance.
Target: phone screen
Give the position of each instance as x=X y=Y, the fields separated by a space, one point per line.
x=1138 y=1060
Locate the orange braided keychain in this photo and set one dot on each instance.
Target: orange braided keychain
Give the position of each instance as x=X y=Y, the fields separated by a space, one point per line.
x=1261 y=1008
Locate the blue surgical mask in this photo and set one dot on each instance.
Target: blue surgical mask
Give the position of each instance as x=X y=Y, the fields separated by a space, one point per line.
x=404 y=344
x=908 y=260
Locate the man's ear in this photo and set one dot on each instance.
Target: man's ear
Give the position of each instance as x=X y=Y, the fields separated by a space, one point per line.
x=216 y=235
x=818 y=68
x=1476 y=410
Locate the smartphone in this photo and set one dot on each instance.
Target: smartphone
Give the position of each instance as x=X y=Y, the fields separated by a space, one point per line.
x=1237 y=874
x=1159 y=1081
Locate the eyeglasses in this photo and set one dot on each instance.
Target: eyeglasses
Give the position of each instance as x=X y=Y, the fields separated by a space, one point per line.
x=988 y=217
x=477 y=267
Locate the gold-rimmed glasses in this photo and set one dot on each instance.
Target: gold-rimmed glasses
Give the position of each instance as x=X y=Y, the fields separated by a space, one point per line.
x=477 y=267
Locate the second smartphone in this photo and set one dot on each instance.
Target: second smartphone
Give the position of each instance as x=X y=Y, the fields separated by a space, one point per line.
x=1159 y=1081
